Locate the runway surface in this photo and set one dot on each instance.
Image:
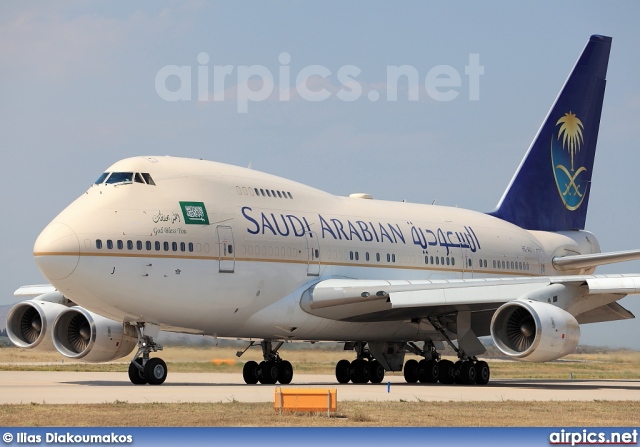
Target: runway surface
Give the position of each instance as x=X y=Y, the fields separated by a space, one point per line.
x=100 y=387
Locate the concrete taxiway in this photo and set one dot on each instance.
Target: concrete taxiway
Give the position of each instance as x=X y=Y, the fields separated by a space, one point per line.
x=104 y=387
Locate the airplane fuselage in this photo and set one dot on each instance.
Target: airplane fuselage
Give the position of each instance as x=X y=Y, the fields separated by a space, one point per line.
x=215 y=249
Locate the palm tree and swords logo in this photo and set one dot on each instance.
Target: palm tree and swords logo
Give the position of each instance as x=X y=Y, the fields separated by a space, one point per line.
x=564 y=148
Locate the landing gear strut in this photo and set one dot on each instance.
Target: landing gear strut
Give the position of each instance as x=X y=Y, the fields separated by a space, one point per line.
x=365 y=368
x=142 y=369
x=273 y=369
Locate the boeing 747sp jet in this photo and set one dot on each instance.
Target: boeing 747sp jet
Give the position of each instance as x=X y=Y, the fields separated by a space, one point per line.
x=192 y=246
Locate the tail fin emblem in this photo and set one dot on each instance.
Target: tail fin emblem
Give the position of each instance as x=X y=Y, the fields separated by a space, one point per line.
x=565 y=148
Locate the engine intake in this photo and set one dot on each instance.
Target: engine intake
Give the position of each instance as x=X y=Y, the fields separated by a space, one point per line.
x=29 y=324
x=83 y=335
x=534 y=331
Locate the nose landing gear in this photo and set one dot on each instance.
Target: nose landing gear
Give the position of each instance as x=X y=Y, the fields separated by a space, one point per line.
x=142 y=369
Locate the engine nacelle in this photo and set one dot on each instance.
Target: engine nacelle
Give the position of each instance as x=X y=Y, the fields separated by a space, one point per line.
x=83 y=335
x=29 y=323
x=534 y=331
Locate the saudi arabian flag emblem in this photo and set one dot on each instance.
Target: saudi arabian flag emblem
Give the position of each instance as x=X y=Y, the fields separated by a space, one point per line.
x=194 y=213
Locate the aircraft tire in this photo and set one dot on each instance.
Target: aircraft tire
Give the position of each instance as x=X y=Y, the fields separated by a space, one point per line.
x=155 y=371
x=410 y=371
x=428 y=371
x=376 y=372
x=360 y=371
x=250 y=372
x=342 y=371
x=285 y=372
x=269 y=372
x=483 y=373
x=467 y=373
x=136 y=376
x=446 y=372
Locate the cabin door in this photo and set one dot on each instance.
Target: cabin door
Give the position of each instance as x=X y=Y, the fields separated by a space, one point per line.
x=226 y=249
x=313 y=253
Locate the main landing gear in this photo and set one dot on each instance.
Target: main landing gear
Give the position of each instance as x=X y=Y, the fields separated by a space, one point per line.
x=432 y=369
x=273 y=369
x=365 y=368
x=142 y=369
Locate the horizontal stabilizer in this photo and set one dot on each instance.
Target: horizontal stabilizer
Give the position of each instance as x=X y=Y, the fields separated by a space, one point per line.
x=594 y=260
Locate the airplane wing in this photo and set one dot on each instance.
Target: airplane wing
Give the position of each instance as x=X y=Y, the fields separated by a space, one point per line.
x=35 y=290
x=590 y=296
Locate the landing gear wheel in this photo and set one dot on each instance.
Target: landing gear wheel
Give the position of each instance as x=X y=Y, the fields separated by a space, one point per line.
x=342 y=371
x=482 y=373
x=376 y=372
x=446 y=372
x=250 y=372
x=428 y=371
x=137 y=375
x=360 y=371
x=411 y=371
x=155 y=371
x=467 y=373
x=285 y=372
x=269 y=372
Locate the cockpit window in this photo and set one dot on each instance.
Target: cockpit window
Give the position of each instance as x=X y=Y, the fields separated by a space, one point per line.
x=148 y=179
x=117 y=178
x=120 y=177
x=101 y=179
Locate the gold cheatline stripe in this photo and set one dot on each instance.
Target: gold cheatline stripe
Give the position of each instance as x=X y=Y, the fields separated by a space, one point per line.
x=282 y=261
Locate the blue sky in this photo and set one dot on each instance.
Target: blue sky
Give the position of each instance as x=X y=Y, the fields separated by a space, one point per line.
x=78 y=93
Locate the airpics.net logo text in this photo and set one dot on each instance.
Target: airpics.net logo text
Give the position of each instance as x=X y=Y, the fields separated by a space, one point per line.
x=255 y=83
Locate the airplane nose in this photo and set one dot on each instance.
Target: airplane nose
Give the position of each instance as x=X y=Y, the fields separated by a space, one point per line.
x=57 y=251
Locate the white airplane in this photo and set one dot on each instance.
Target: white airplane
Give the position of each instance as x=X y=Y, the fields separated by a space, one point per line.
x=192 y=246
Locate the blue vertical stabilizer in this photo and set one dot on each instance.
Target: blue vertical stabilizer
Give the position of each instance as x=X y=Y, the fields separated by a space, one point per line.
x=550 y=190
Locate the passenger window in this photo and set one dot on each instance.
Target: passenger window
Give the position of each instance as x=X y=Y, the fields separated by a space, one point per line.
x=182 y=246
x=157 y=245
x=120 y=245
x=166 y=246
x=174 y=246
x=99 y=244
x=139 y=245
x=190 y=246
x=377 y=257
x=129 y=245
x=148 y=245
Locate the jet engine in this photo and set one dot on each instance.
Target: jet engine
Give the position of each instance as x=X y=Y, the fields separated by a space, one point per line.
x=534 y=331
x=83 y=335
x=29 y=323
